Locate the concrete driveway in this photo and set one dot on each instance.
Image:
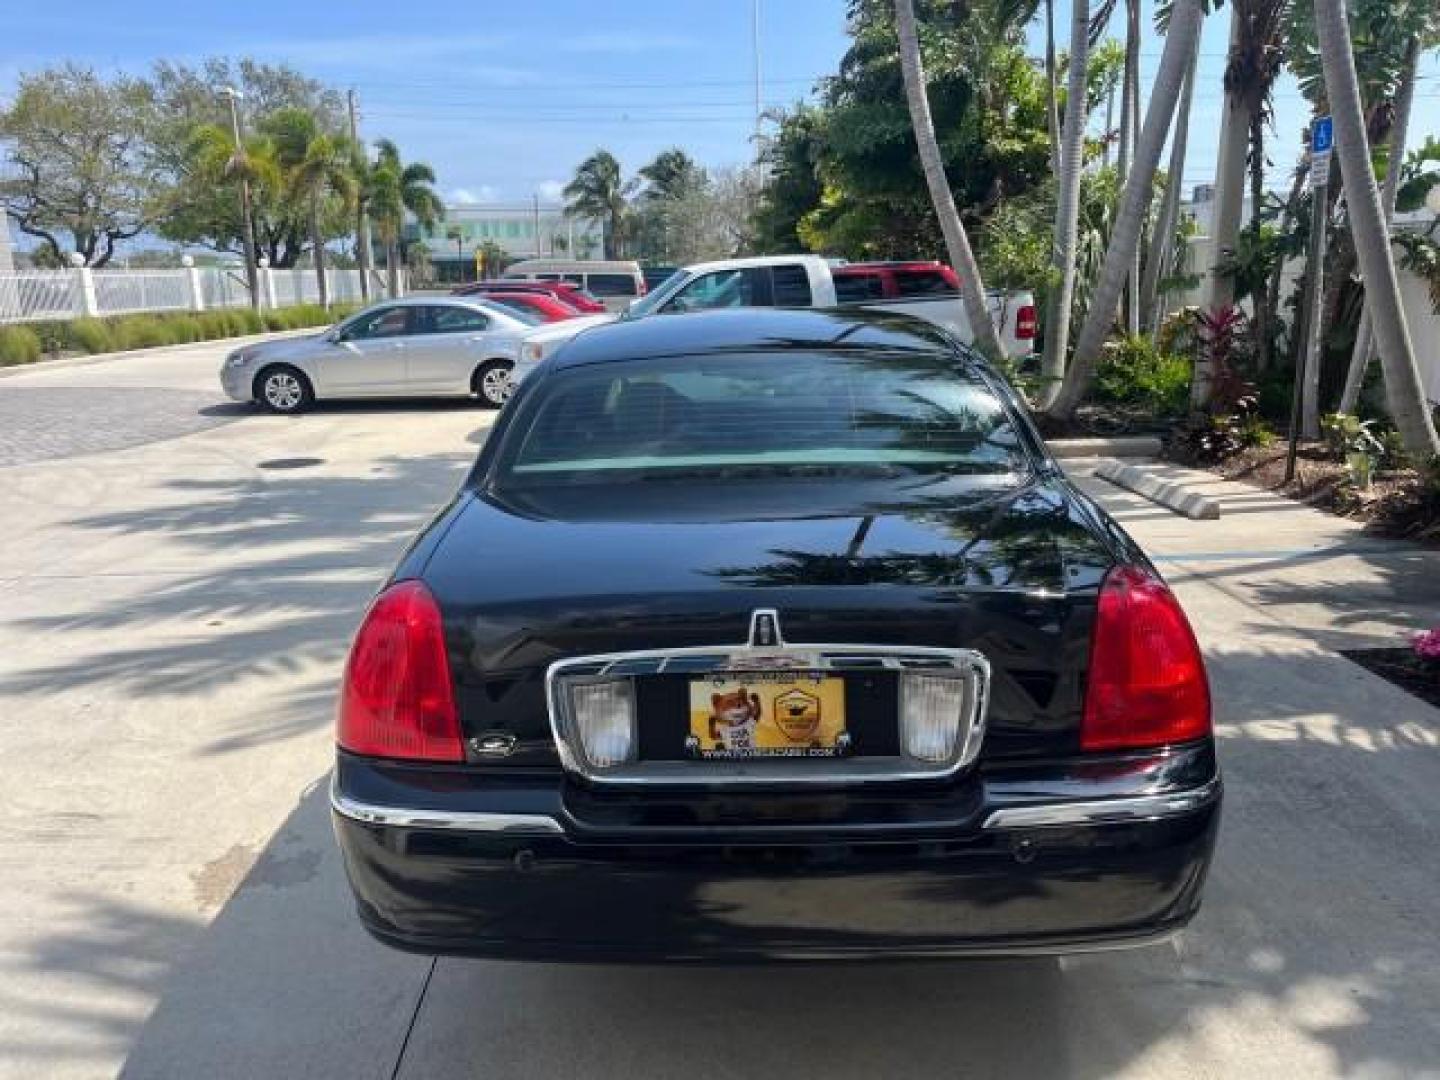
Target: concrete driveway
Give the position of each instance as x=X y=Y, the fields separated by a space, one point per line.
x=174 y=615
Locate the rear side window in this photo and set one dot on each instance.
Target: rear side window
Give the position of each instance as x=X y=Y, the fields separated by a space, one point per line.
x=853 y=288
x=709 y=416
x=922 y=283
x=452 y=320
x=611 y=284
x=792 y=286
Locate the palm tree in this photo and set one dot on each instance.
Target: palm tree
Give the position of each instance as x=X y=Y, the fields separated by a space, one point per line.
x=1183 y=39
x=1067 y=206
x=322 y=172
x=211 y=151
x=1128 y=138
x=1399 y=132
x=599 y=192
x=1052 y=88
x=1162 y=239
x=393 y=188
x=1404 y=391
x=957 y=244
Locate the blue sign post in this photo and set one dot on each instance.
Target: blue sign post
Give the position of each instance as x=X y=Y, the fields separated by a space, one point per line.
x=1307 y=371
x=1322 y=142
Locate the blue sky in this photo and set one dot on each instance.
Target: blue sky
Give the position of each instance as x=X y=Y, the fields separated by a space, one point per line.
x=505 y=98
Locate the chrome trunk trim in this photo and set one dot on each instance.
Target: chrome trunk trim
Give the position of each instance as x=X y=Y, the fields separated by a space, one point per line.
x=963 y=663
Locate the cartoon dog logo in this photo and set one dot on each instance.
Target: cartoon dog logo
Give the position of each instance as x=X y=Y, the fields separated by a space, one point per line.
x=734 y=718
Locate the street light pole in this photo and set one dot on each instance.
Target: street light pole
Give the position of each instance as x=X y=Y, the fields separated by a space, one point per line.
x=252 y=275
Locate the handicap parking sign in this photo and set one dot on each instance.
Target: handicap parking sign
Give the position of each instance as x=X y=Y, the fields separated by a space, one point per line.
x=1322 y=135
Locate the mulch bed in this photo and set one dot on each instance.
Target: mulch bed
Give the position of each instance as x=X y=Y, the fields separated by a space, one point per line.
x=1403 y=668
x=1392 y=507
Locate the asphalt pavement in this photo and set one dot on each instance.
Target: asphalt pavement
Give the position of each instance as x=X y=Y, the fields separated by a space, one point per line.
x=173 y=614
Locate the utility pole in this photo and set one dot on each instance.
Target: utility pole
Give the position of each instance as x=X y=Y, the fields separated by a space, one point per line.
x=755 y=43
x=1304 y=401
x=247 y=227
x=362 y=217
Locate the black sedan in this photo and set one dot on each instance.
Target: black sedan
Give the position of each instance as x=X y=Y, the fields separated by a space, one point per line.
x=772 y=635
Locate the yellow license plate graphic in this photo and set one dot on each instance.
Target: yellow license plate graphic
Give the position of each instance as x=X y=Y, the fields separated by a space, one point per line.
x=766 y=714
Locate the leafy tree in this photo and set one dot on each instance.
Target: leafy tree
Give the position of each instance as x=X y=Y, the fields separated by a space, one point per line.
x=201 y=207
x=317 y=169
x=391 y=188
x=79 y=179
x=600 y=192
x=794 y=189
x=671 y=180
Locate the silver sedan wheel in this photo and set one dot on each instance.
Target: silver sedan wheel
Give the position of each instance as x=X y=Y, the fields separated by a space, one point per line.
x=496 y=384
x=283 y=391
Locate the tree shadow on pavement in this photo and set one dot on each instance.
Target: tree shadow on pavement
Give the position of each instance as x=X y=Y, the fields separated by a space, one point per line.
x=1315 y=954
x=262 y=579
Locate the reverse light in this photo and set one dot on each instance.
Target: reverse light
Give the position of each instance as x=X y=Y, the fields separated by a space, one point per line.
x=604 y=716
x=1147 y=684
x=397 y=700
x=1025 y=323
x=932 y=708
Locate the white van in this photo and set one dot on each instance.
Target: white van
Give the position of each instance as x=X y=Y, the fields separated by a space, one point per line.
x=615 y=283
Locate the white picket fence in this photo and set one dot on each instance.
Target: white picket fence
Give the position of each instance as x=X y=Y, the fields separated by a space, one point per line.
x=40 y=295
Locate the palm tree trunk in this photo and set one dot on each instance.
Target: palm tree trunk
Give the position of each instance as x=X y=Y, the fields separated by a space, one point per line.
x=392 y=268
x=1399 y=133
x=1228 y=206
x=1277 y=272
x=1052 y=90
x=1181 y=41
x=1132 y=79
x=1404 y=392
x=317 y=245
x=1067 y=208
x=1162 y=240
x=962 y=258
x=1257 y=199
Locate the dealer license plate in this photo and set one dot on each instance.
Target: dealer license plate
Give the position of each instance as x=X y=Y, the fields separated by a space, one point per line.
x=767 y=714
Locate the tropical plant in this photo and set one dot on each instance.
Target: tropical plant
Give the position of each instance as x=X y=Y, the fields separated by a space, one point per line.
x=600 y=192
x=957 y=243
x=393 y=187
x=1182 y=40
x=1403 y=388
x=317 y=168
x=1067 y=207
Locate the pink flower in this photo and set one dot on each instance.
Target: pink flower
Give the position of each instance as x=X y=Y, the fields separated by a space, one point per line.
x=1427 y=645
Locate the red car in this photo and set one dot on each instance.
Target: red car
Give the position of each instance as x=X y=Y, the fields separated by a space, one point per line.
x=861 y=281
x=541 y=305
x=570 y=294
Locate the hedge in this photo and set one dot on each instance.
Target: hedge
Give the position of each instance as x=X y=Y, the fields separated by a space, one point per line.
x=24 y=343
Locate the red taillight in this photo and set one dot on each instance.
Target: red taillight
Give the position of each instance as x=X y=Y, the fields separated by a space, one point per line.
x=1025 y=323
x=396 y=700
x=1147 y=683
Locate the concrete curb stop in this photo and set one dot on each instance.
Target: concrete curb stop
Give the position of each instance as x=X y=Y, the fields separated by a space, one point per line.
x=1170 y=495
x=1118 y=446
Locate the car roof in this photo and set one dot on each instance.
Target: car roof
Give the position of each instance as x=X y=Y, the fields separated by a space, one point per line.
x=752 y=261
x=754 y=330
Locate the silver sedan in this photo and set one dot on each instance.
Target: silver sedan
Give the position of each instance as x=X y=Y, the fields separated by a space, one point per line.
x=420 y=347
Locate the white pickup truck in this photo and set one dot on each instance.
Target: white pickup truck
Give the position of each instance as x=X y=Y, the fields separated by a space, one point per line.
x=928 y=290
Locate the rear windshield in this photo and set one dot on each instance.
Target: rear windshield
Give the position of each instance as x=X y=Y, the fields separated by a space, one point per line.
x=611 y=284
x=520 y=314
x=754 y=414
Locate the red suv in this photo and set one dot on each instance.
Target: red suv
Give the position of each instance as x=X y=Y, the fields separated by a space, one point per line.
x=573 y=295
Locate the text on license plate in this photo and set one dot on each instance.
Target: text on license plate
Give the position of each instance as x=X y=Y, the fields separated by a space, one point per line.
x=763 y=714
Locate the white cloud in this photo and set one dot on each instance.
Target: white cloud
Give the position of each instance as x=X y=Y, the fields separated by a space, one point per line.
x=483 y=194
x=627 y=43
x=550 y=190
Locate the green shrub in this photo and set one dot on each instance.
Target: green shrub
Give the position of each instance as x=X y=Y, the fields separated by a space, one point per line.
x=91 y=336
x=250 y=321
x=142 y=332
x=184 y=328
x=1135 y=373
x=54 y=336
x=18 y=345
x=212 y=325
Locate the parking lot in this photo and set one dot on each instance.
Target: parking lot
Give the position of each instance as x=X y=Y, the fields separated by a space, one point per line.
x=179 y=579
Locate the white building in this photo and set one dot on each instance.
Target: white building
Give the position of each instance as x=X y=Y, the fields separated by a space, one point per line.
x=521 y=230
